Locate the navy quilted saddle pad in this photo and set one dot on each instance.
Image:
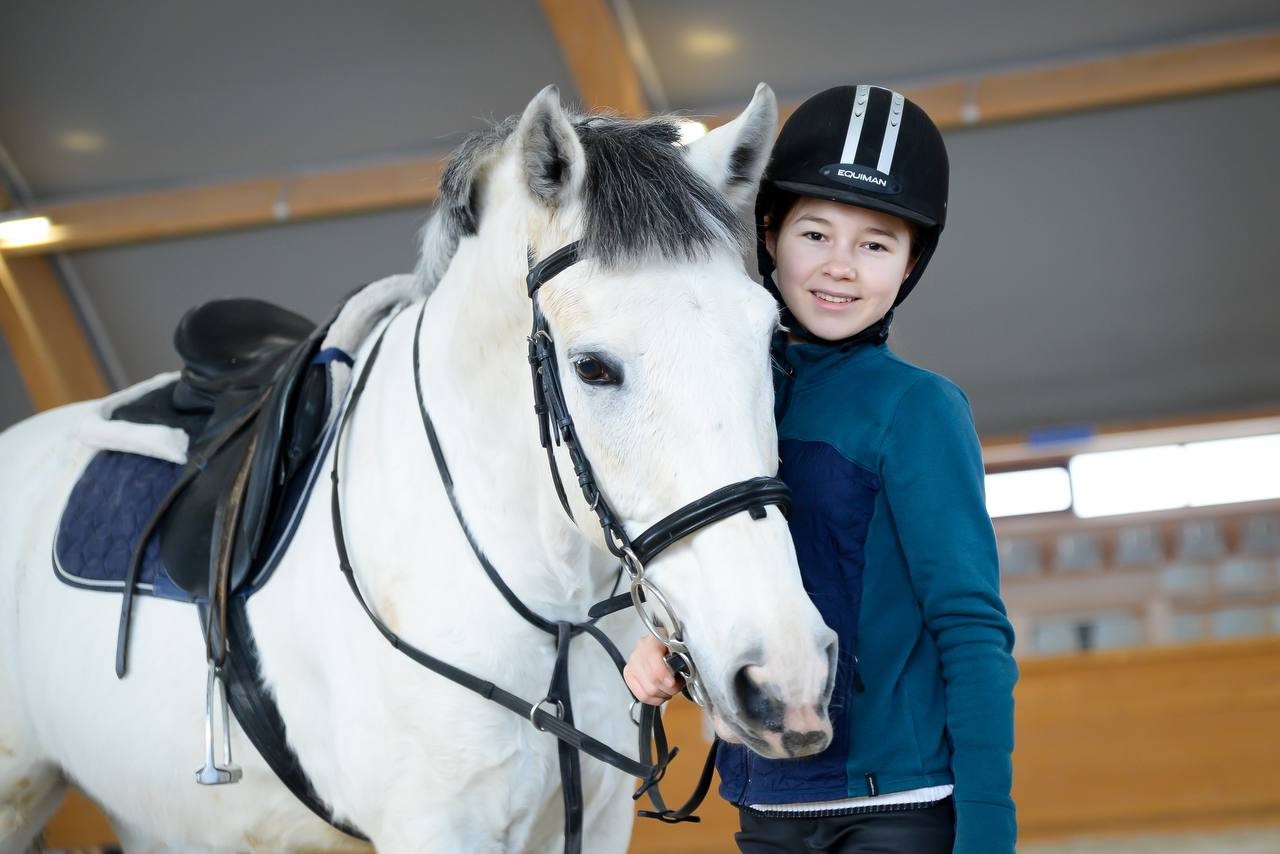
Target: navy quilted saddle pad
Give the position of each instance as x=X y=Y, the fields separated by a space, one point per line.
x=103 y=521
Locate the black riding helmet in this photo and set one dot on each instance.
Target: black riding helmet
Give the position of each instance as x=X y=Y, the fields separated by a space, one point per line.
x=866 y=146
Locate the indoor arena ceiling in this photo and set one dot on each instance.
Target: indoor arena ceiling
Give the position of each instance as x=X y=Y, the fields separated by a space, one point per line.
x=1098 y=266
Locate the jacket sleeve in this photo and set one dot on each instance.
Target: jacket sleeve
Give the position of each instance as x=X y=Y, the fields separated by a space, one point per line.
x=934 y=482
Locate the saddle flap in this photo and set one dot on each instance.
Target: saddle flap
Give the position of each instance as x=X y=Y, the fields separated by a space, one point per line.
x=283 y=431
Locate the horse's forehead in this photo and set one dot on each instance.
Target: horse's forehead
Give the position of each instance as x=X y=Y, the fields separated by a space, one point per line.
x=662 y=298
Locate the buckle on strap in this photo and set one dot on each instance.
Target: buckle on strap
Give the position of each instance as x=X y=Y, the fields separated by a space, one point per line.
x=539 y=707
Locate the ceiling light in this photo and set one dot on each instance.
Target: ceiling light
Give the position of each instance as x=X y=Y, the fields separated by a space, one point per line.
x=1017 y=493
x=709 y=43
x=82 y=141
x=24 y=231
x=1230 y=470
x=1131 y=481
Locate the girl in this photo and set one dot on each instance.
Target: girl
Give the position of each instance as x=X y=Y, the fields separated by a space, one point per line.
x=889 y=520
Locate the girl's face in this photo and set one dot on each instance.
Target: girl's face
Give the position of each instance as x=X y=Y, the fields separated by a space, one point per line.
x=839 y=267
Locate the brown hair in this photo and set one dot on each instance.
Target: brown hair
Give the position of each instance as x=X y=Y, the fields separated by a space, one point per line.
x=781 y=203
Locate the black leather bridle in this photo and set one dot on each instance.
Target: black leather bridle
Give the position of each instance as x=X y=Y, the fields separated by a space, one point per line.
x=554 y=713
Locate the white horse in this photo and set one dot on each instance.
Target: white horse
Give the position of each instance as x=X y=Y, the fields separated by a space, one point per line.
x=413 y=760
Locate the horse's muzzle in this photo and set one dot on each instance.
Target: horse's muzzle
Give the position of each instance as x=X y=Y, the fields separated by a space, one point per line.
x=769 y=724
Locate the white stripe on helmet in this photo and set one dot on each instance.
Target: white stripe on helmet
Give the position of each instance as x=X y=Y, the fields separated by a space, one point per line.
x=890 y=134
x=854 y=133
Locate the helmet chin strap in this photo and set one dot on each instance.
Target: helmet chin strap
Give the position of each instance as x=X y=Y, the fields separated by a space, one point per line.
x=876 y=333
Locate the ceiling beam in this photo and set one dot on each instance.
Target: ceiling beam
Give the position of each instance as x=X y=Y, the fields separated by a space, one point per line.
x=44 y=334
x=1029 y=93
x=113 y=220
x=595 y=50
x=1129 y=78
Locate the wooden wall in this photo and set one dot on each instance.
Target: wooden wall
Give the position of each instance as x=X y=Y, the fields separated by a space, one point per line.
x=1147 y=739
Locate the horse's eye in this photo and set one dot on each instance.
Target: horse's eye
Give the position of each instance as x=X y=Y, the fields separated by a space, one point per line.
x=595 y=371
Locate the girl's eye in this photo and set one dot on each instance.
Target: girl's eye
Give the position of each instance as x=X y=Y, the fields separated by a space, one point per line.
x=595 y=371
x=874 y=247
x=813 y=235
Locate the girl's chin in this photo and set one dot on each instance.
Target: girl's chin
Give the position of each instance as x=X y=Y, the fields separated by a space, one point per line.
x=833 y=331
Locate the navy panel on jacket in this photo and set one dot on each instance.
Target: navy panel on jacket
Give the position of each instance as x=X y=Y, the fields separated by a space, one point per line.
x=833 y=500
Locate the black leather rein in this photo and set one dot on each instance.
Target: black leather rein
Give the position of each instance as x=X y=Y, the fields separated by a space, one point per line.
x=554 y=713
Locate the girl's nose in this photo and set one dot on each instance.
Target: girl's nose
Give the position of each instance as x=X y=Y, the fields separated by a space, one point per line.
x=839 y=269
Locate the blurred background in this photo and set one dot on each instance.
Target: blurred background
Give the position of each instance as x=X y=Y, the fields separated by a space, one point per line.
x=1106 y=292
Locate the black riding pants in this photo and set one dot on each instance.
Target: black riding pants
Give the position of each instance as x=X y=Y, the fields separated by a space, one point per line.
x=919 y=830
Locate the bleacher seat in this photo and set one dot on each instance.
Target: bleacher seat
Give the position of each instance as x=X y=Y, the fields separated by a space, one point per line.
x=1244 y=574
x=1076 y=552
x=1020 y=556
x=1260 y=535
x=1139 y=545
x=1200 y=539
x=1184 y=578
x=1239 y=622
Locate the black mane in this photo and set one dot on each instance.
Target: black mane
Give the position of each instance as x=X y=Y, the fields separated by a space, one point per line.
x=641 y=198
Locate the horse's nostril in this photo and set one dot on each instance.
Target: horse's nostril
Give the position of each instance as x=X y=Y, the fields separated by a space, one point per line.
x=755 y=702
x=803 y=743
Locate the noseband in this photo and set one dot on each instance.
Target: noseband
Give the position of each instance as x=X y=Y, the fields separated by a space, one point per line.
x=554 y=713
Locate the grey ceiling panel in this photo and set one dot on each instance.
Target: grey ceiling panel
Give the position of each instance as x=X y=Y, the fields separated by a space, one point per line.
x=14 y=403
x=1109 y=266
x=99 y=96
x=140 y=292
x=711 y=53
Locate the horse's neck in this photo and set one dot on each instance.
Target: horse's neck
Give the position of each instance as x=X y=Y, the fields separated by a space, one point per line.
x=477 y=389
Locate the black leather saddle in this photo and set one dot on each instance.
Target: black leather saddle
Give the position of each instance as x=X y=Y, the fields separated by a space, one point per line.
x=253 y=403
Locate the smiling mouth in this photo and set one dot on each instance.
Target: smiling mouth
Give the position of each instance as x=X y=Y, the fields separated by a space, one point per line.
x=833 y=299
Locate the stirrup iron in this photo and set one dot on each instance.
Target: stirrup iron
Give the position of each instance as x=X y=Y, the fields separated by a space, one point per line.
x=213 y=774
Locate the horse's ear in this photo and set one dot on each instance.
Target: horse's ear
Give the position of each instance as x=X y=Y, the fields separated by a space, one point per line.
x=551 y=156
x=733 y=156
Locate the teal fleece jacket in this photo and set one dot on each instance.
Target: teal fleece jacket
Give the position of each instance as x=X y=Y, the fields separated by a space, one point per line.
x=897 y=550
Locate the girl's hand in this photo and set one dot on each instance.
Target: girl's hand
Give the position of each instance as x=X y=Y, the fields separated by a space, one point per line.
x=647 y=674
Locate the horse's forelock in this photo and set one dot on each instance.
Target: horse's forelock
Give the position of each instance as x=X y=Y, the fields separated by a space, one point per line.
x=641 y=199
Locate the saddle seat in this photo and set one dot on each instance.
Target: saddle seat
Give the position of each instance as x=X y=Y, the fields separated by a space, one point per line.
x=232 y=343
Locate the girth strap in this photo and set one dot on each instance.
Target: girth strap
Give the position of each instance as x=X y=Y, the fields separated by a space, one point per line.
x=259 y=717
x=225 y=518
